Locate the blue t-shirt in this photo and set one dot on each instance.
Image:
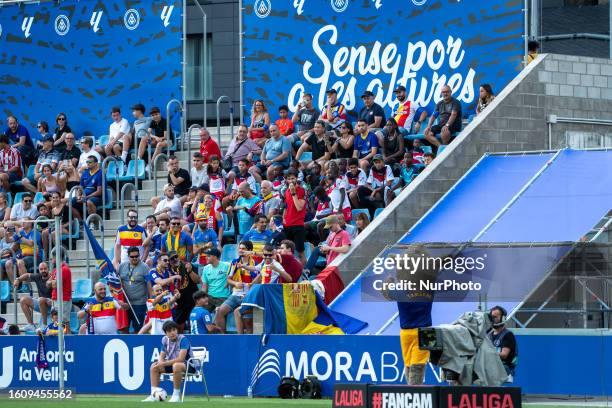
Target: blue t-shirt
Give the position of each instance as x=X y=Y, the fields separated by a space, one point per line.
x=414 y=314
x=203 y=237
x=198 y=319
x=364 y=146
x=181 y=249
x=91 y=182
x=274 y=148
x=259 y=239
x=21 y=131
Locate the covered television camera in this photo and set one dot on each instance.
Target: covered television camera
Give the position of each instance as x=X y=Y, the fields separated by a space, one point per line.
x=463 y=351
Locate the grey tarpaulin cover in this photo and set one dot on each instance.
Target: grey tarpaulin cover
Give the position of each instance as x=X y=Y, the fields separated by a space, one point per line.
x=468 y=351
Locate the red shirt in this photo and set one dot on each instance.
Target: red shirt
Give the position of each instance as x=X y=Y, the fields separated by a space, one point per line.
x=292 y=266
x=209 y=148
x=336 y=240
x=293 y=217
x=285 y=126
x=66 y=283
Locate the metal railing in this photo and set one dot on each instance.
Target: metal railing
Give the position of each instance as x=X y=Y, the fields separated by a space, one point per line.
x=188 y=135
x=181 y=109
x=231 y=113
x=84 y=210
x=554 y=119
x=122 y=199
x=154 y=171
x=104 y=169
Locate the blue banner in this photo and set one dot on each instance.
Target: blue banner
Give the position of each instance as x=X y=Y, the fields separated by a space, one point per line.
x=298 y=46
x=121 y=363
x=84 y=57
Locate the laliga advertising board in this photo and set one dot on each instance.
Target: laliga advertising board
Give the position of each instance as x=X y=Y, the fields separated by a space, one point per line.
x=298 y=46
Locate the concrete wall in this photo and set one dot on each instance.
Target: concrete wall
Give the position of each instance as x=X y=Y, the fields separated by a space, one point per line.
x=516 y=121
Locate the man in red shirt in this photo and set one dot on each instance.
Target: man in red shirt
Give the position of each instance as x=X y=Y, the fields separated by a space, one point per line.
x=289 y=262
x=338 y=242
x=208 y=147
x=295 y=212
x=66 y=287
x=10 y=163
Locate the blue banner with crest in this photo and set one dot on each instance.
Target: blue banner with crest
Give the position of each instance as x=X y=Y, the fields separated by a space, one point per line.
x=84 y=57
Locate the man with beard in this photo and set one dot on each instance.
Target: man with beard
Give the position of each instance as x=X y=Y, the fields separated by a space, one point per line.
x=187 y=285
x=404 y=112
x=130 y=235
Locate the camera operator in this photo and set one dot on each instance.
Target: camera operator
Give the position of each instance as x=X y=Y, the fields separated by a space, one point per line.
x=503 y=339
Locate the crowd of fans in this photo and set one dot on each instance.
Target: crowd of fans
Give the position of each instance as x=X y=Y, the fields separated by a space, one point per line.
x=283 y=194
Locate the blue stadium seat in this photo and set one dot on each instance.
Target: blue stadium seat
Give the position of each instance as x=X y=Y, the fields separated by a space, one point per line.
x=230 y=323
x=357 y=211
x=308 y=248
x=19 y=196
x=257 y=189
x=229 y=252
x=5 y=291
x=177 y=138
x=9 y=199
x=228 y=232
x=378 y=211
x=441 y=148
x=109 y=199
x=306 y=156
x=73 y=232
x=39 y=198
x=131 y=169
x=81 y=289
x=426 y=149
x=420 y=136
x=103 y=140
x=29 y=174
x=245 y=222
x=471 y=118
x=114 y=171
x=75 y=324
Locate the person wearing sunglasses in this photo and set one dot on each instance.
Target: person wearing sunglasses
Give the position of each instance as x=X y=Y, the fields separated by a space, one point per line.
x=130 y=235
x=43 y=131
x=162 y=275
x=187 y=285
x=133 y=275
x=60 y=132
x=24 y=209
x=176 y=240
x=47 y=155
x=270 y=269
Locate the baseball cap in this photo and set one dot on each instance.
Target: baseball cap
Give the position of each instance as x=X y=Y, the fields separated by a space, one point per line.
x=213 y=252
x=400 y=88
x=331 y=91
x=377 y=157
x=153 y=110
x=332 y=219
x=48 y=138
x=367 y=93
x=139 y=107
x=172 y=254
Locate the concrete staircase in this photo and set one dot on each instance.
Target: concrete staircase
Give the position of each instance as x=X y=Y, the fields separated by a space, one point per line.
x=78 y=257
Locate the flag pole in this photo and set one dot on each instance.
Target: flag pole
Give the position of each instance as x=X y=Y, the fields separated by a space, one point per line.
x=127 y=299
x=60 y=299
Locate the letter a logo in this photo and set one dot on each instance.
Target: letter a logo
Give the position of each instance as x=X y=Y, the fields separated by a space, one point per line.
x=166 y=14
x=95 y=20
x=26 y=25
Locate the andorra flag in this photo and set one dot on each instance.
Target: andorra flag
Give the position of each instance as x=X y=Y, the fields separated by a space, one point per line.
x=295 y=308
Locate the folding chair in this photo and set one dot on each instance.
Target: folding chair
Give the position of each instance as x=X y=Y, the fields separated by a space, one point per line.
x=200 y=356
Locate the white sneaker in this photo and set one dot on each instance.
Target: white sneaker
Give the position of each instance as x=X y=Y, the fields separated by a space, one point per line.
x=29 y=328
x=150 y=398
x=175 y=398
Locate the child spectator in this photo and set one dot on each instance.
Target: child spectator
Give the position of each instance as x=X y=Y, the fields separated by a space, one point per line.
x=285 y=125
x=159 y=310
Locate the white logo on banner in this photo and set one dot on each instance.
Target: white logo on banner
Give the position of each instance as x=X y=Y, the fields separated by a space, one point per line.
x=26 y=25
x=94 y=22
x=339 y=5
x=377 y=4
x=269 y=362
x=299 y=6
x=388 y=63
x=262 y=8
x=62 y=25
x=166 y=14
x=131 y=19
x=118 y=348
x=0 y=30
x=7 y=367
x=419 y=2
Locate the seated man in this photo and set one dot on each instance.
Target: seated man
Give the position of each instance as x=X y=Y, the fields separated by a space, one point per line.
x=41 y=304
x=200 y=318
x=47 y=155
x=276 y=153
x=503 y=340
x=175 y=352
x=449 y=112
x=91 y=182
x=119 y=139
x=10 y=164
